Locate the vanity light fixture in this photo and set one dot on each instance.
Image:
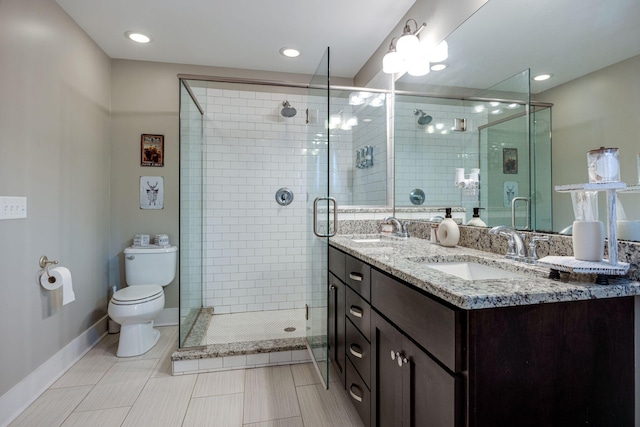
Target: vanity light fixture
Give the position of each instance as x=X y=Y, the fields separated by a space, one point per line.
x=137 y=37
x=542 y=77
x=290 y=52
x=405 y=51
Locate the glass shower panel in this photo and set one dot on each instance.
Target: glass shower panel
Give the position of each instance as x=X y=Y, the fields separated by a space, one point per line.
x=191 y=139
x=317 y=158
x=542 y=215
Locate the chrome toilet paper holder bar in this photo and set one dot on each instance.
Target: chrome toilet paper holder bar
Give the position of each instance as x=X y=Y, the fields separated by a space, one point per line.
x=45 y=263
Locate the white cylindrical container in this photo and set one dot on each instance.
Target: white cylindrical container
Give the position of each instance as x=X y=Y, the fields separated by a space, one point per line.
x=588 y=240
x=603 y=165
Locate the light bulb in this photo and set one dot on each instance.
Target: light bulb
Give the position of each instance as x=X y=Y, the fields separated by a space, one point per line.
x=392 y=63
x=420 y=68
x=440 y=52
x=408 y=46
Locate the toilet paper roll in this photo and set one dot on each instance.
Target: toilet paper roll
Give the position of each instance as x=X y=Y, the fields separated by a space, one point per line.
x=59 y=276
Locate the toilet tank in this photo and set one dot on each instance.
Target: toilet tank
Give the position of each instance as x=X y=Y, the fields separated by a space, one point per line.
x=152 y=265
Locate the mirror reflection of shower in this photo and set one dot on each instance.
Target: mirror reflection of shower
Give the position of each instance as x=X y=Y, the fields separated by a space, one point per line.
x=287 y=110
x=424 y=118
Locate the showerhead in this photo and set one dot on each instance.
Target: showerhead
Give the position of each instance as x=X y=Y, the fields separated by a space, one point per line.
x=424 y=118
x=287 y=110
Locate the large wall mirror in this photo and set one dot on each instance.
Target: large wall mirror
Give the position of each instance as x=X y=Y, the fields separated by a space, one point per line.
x=591 y=50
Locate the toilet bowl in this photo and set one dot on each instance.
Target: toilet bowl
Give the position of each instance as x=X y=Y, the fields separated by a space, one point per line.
x=136 y=307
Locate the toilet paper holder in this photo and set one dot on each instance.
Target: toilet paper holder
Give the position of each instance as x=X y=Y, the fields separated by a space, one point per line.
x=45 y=263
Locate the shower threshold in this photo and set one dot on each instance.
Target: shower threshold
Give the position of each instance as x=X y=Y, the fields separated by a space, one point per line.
x=242 y=340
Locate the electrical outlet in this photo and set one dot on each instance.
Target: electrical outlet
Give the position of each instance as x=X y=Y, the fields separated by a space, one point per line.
x=13 y=207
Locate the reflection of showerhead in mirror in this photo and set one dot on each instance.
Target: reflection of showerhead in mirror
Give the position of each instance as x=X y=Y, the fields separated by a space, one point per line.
x=287 y=110
x=424 y=118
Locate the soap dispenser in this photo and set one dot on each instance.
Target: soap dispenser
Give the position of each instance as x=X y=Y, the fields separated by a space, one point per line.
x=476 y=221
x=448 y=231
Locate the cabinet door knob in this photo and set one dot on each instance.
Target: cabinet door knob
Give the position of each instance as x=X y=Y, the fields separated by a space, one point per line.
x=355 y=350
x=399 y=357
x=332 y=287
x=355 y=311
x=355 y=276
x=354 y=395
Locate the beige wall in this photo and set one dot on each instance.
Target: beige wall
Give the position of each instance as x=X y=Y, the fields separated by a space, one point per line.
x=54 y=149
x=599 y=109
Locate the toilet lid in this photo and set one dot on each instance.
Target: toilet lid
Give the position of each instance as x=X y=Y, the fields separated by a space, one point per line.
x=137 y=294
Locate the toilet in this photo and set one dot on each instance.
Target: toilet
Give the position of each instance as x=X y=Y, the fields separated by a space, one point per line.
x=147 y=271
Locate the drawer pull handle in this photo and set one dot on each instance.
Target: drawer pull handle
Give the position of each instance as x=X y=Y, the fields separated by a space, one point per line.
x=355 y=396
x=356 y=276
x=356 y=350
x=355 y=311
x=402 y=360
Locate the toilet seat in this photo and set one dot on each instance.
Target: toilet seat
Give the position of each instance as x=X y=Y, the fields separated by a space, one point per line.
x=139 y=294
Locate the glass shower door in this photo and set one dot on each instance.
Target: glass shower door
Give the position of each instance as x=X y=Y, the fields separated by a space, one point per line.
x=318 y=208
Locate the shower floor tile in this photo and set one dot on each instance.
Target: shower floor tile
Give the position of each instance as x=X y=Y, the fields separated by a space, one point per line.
x=255 y=326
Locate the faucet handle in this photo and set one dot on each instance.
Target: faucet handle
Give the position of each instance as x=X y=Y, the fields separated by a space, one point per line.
x=533 y=255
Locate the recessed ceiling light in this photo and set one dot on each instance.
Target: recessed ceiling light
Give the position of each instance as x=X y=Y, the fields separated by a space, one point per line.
x=542 y=77
x=137 y=37
x=438 y=67
x=290 y=52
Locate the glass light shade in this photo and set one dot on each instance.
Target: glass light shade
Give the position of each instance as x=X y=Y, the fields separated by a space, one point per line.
x=408 y=46
x=355 y=98
x=392 y=63
x=420 y=68
x=440 y=52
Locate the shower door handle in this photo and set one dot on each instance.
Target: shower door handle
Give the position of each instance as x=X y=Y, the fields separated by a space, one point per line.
x=335 y=217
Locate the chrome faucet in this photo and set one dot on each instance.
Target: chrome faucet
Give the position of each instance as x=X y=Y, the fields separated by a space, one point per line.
x=517 y=250
x=401 y=227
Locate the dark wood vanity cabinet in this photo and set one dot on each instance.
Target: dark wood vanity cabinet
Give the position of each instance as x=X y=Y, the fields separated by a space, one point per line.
x=422 y=362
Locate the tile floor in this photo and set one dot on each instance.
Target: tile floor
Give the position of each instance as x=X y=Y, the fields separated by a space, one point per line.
x=101 y=390
x=255 y=326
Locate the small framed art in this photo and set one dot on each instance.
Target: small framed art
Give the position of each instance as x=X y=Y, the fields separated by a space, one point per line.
x=510 y=160
x=152 y=150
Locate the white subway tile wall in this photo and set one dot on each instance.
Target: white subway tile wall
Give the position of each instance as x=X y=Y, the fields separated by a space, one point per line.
x=255 y=254
x=426 y=155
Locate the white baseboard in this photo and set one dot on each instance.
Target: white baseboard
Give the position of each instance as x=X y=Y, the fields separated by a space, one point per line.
x=168 y=317
x=23 y=394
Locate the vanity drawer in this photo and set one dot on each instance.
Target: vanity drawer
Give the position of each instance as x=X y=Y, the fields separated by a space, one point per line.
x=359 y=312
x=359 y=394
x=359 y=352
x=433 y=325
x=337 y=260
x=358 y=276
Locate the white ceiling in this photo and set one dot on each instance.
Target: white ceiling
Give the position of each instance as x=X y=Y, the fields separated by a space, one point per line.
x=246 y=34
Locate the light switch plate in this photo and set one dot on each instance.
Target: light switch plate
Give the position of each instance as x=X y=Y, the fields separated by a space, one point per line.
x=13 y=207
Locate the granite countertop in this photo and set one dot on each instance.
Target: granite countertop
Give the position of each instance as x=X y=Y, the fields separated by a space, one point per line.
x=405 y=259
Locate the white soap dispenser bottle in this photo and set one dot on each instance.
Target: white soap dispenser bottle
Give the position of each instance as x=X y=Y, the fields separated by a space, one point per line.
x=476 y=221
x=448 y=231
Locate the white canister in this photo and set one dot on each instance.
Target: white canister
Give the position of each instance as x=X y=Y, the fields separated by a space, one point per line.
x=603 y=165
x=588 y=240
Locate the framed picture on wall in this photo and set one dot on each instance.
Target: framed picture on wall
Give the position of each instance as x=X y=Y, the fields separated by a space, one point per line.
x=152 y=150
x=151 y=192
x=510 y=160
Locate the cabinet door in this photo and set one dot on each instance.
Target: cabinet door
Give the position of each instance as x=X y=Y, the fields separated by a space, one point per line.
x=430 y=394
x=336 y=332
x=386 y=393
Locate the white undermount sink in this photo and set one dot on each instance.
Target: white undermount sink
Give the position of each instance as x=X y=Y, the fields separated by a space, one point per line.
x=472 y=270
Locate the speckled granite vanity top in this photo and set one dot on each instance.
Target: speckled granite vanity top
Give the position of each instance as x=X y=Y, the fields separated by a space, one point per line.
x=406 y=259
